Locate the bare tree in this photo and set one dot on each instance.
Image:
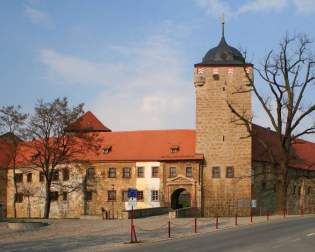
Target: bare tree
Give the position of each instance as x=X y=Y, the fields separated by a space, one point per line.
x=12 y=122
x=51 y=145
x=29 y=192
x=288 y=75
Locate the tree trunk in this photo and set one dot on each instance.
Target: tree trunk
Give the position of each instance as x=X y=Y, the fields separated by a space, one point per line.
x=282 y=188
x=47 y=201
x=15 y=191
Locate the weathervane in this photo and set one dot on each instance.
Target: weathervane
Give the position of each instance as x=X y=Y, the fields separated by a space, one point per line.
x=222 y=22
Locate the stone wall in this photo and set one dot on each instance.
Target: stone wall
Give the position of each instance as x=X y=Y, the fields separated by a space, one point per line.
x=190 y=184
x=300 y=194
x=223 y=142
x=86 y=195
x=3 y=192
x=33 y=200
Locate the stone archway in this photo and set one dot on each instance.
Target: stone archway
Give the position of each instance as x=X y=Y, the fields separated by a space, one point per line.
x=180 y=198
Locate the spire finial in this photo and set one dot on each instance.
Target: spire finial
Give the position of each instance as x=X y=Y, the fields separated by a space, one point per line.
x=222 y=22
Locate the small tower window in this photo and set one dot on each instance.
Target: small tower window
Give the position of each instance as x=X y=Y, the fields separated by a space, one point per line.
x=230 y=172
x=216 y=172
x=215 y=74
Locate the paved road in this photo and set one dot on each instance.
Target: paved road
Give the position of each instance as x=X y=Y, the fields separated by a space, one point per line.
x=289 y=235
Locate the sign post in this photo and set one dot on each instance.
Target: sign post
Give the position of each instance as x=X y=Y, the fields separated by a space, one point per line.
x=132 y=202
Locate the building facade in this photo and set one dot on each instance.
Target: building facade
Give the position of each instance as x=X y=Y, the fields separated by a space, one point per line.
x=216 y=168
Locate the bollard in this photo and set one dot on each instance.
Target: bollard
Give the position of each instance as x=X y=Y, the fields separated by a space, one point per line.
x=251 y=216
x=284 y=213
x=235 y=219
x=169 y=229
x=217 y=222
x=302 y=211
x=195 y=225
x=267 y=216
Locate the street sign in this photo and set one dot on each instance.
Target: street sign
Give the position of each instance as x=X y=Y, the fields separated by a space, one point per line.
x=132 y=203
x=254 y=203
x=132 y=193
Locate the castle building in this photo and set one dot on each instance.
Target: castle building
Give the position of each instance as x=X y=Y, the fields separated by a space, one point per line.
x=216 y=168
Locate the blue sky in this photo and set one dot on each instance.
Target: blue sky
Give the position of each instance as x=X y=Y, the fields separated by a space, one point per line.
x=131 y=61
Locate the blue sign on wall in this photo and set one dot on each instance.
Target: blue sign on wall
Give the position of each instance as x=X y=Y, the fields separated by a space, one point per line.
x=132 y=193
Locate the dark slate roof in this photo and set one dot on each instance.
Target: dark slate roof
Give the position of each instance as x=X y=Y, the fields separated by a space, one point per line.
x=223 y=54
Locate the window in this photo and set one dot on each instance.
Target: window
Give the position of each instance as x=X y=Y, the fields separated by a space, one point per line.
x=174 y=149
x=189 y=172
x=107 y=149
x=309 y=190
x=18 y=197
x=263 y=186
x=18 y=177
x=140 y=195
x=111 y=195
x=112 y=172
x=55 y=175
x=41 y=177
x=54 y=196
x=29 y=177
x=64 y=195
x=216 y=172
x=154 y=195
x=90 y=173
x=125 y=196
x=216 y=77
x=65 y=174
x=36 y=156
x=294 y=190
x=155 y=172
x=126 y=172
x=230 y=172
x=88 y=196
x=140 y=172
x=172 y=172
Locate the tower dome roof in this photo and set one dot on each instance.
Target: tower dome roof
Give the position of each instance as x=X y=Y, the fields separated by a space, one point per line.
x=223 y=54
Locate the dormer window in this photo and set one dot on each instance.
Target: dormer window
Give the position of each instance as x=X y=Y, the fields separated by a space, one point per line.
x=174 y=148
x=107 y=149
x=36 y=156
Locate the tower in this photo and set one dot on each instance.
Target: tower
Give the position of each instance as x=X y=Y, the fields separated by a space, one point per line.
x=221 y=79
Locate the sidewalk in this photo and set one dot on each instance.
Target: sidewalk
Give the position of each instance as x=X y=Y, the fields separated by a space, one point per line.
x=98 y=235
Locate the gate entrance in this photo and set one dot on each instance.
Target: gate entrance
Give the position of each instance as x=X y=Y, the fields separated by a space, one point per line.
x=180 y=198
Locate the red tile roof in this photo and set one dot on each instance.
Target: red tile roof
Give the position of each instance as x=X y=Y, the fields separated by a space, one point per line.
x=147 y=145
x=158 y=145
x=88 y=123
x=303 y=151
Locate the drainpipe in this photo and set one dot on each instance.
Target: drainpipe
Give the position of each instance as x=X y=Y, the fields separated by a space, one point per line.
x=201 y=182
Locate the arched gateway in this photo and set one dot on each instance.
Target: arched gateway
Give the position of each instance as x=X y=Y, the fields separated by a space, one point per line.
x=180 y=198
